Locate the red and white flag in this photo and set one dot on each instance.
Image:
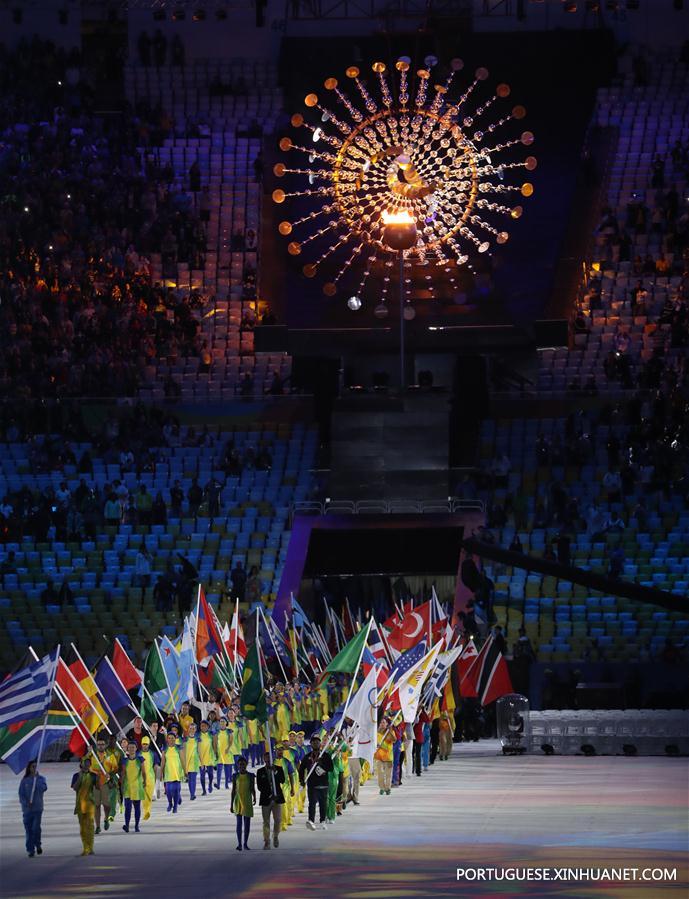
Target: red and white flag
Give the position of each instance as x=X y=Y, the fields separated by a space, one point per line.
x=489 y=675
x=235 y=639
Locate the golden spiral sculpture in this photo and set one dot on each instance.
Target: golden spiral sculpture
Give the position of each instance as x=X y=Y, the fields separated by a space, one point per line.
x=420 y=151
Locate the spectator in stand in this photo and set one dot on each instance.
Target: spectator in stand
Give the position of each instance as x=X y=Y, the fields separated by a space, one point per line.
x=253 y=590
x=144 y=505
x=616 y=563
x=238 y=579
x=212 y=492
x=276 y=386
x=499 y=639
x=613 y=484
x=142 y=568
x=563 y=548
x=194 y=497
x=159 y=510
x=49 y=595
x=176 y=499
x=66 y=595
x=112 y=511
x=165 y=589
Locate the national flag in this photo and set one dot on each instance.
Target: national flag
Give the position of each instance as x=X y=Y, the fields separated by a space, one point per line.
x=347 y=621
x=347 y=660
x=363 y=710
x=155 y=685
x=410 y=686
x=464 y=663
x=282 y=610
x=122 y=664
x=375 y=642
x=69 y=685
x=489 y=673
x=210 y=676
x=393 y=622
x=109 y=687
x=274 y=643
x=293 y=644
x=307 y=660
x=225 y=634
x=93 y=715
x=171 y=666
x=236 y=640
x=252 y=698
x=415 y=625
x=26 y=693
x=186 y=663
x=438 y=619
x=299 y=616
x=436 y=682
x=451 y=694
x=367 y=663
x=208 y=639
x=402 y=666
x=19 y=742
x=336 y=640
x=407 y=660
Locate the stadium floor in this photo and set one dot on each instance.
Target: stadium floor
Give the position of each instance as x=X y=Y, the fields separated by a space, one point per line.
x=477 y=809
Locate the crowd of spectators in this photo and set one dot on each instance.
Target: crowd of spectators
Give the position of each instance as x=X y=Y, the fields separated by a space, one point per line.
x=135 y=442
x=83 y=210
x=647 y=449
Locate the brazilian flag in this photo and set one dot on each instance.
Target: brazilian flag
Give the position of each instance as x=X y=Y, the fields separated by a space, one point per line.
x=252 y=699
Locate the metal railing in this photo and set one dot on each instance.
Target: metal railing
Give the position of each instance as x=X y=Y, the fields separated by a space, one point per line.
x=386 y=507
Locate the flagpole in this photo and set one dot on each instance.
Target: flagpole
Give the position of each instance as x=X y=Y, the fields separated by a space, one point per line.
x=93 y=706
x=320 y=642
x=202 y=687
x=349 y=696
x=270 y=635
x=293 y=641
x=151 y=700
x=306 y=655
x=196 y=661
x=78 y=723
x=223 y=674
x=167 y=682
x=45 y=723
x=383 y=640
x=361 y=655
x=235 y=621
x=329 y=614
x=267 y=721
x=223 y=648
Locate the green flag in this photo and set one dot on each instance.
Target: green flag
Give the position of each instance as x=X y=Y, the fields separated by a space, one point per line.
x=155 y=683
x=347 y=659
x=252 y=699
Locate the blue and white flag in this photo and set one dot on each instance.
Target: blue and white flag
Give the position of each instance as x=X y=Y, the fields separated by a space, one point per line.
x=26 y=693
x=436 y=682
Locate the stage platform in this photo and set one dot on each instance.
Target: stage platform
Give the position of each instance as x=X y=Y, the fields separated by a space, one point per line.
x=477 y=809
